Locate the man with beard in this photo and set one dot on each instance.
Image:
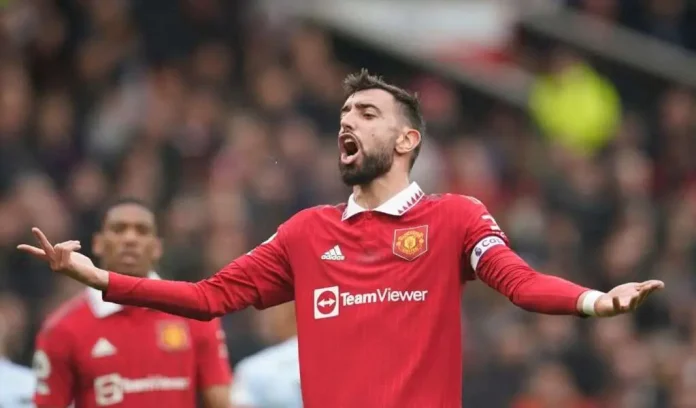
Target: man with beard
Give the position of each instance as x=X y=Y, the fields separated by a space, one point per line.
x=376 y=281
x=94 y=353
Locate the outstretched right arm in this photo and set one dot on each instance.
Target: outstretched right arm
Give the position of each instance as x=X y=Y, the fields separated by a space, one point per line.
x=262 y=278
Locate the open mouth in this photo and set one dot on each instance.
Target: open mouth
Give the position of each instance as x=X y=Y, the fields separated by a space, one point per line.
x=349 y=148
x=129 y=257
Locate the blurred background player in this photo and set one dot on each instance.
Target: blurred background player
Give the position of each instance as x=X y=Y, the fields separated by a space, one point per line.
x=271 y=377
x=17 y=382
x=97 y=353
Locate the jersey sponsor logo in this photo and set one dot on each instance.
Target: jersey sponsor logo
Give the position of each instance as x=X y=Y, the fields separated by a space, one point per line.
x=482 y=247
x=173 y=335
x=328 y=301
x=112 y=388
x=410 y=243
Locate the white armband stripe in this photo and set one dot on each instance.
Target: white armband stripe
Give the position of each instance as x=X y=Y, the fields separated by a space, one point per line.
x=588 y=303
x=481 y=248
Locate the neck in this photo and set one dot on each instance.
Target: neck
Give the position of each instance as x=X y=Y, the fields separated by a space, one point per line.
x=371 y=196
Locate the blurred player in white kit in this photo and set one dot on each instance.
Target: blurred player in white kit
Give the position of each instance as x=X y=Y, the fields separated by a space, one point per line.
x=271 y=377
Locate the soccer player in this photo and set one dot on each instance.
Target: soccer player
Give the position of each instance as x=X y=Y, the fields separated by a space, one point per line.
x=271 y=377
x=376 y=281
x=95 y=353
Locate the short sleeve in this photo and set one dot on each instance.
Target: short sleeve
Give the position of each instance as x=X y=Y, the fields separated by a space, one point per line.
x=212 y=364
x=268 y=267
x=53 y=369
x=480 y=233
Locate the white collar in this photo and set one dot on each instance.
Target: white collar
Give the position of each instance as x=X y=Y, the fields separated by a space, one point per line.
x=101 y=308
x=397 y=205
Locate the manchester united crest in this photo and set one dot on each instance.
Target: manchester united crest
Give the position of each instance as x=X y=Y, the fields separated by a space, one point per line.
x=173 y=335
x=410 y=243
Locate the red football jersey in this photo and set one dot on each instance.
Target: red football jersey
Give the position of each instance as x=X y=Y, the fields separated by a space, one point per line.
x=98 y=354
x=377 y=294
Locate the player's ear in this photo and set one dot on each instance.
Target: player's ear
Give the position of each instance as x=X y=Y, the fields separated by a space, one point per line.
x=98 y=245
x=407 y=141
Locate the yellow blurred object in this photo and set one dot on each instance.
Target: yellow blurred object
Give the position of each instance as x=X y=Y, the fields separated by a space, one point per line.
x=577 y=108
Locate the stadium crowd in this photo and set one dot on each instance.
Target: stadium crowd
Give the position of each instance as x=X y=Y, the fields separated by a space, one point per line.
x=227 y=123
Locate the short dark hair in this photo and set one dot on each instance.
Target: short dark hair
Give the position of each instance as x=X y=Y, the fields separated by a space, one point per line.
x=110 y=205
x=409 y=102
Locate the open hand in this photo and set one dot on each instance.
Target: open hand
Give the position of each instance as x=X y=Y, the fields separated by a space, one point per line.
x=64 y=259
x=625 y=298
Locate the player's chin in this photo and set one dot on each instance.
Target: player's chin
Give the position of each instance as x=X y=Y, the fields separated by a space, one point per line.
x=130 y=266
x=355 y=176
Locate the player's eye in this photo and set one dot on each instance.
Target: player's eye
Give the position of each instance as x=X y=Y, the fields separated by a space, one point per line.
x=368 y=115
x=143 y=229
x=118 y=228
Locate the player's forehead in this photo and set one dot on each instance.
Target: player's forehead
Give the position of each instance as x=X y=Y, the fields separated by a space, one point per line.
x=379 y=98
x=129 y=213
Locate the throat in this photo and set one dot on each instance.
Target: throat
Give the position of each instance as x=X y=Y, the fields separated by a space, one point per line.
x=371 y=196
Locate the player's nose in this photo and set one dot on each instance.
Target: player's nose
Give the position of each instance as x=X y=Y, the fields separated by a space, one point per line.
x=347 y=124
x=130 y=237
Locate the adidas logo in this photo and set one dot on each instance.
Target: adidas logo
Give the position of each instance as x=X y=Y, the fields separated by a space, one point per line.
x=102 y=348
x=333 y=254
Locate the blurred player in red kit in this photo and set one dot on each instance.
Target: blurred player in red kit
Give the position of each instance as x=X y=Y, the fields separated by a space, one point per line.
x=98 y=354
x=376 y=281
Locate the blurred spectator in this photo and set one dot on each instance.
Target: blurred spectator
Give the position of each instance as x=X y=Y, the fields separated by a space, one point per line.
x=574 y=106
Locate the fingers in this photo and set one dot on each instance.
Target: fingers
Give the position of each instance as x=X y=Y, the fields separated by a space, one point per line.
x=63 y=251
x=616 y=303
x=643 y=291
x=641 y=297
x=634 y=302
x=629 y=299
x=647 y=289
x=44 y=242
x=623 y=304
x=58 y=258
x=651 y=285
x=32 y=250
x=60 y=254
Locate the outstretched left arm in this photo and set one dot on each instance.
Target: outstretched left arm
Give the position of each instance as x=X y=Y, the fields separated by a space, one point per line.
x=486 y=247
x=507 y=273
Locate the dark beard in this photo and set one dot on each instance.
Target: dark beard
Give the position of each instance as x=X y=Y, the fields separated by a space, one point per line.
x=372 y=167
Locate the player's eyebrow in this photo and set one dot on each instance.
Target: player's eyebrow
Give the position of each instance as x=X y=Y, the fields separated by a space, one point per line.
x=365 y=106
x=361 y=106
x=139 y=225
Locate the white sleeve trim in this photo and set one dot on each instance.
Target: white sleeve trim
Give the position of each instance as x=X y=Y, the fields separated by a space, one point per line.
x=588 y=303
x=481 y=247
